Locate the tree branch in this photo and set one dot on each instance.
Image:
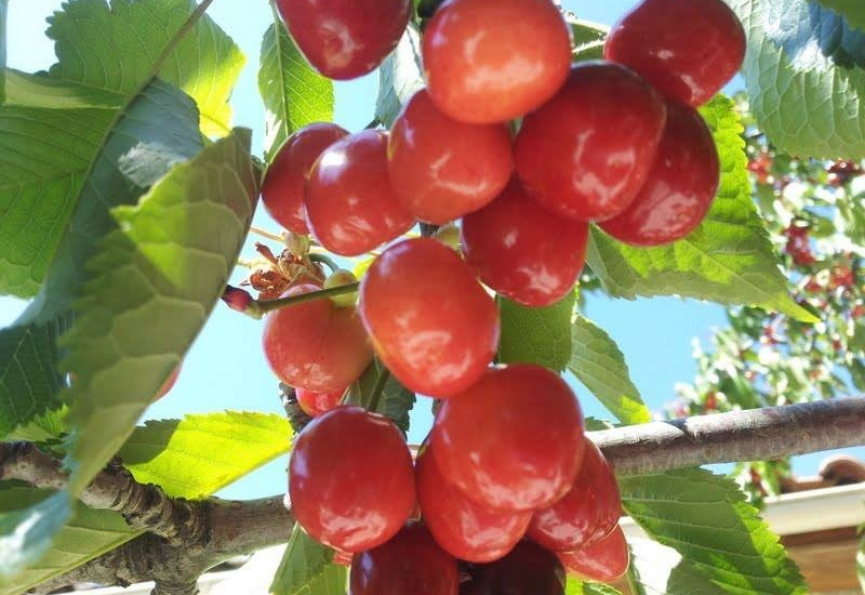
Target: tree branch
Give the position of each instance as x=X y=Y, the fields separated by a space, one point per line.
x=186 y=539
x=739 y=436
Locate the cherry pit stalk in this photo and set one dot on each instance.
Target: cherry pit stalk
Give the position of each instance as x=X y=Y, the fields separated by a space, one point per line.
x=526 y=157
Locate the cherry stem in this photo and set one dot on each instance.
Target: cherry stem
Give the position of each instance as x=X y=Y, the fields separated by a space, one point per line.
x=324 y=259
x=378 y=389
x=267 y=234
x=258 y=308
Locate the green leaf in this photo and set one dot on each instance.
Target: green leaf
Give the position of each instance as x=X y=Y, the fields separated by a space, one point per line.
x=852 y=10
x=588 y=37
x=172 y=254
x=3 y=9
x=115 y=48
x=178 y=455
x=307 y=568
x=27 y=534
x=706 y=519
x=90 y=534
x=658 y=570
x=578 y=587
x=537 y=335
x=396 y=401
x=804 y=76
x=400 y=77
x=294 y=94
x=728 y=259
x=599 y=364
x=161 y=117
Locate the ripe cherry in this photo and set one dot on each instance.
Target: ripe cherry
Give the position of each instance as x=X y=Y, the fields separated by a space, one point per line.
x=528 y=570
x=495 y=60
x=442 y=169
x=350 y=205
x=315 y=404
x=523 y=251
x=537 y=463
x=351 y=480
x=688 y=50
x=680 y=187
x=411 y=562
x=461 y=527
x=587 y=152
x=282 y=190
x=604 y=561
x=316 y=345
x=345 y=39
x=589 y=512
x=430 y=321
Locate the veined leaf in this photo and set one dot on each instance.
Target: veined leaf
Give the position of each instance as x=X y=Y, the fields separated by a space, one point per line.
x=657 y=570
x=400 y=77
x=114 y=48
x=588 y=37
x=852 y=10
x=3 y=9
x=42 y=91
x=539 y=336
x=178 y=455
x=172 y=254
x=728 y=259
x=804 y=75
x=307 y=568
x=706 y=519
x=396 y=401
x=599 y=364
x=577 y=587
x=294 y=94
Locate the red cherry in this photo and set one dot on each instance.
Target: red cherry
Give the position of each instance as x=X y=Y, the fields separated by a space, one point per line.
x=411 y=562
x=604 y=561
x=513 y=441
x=680 y=188
x=689 y=50
x=350 y=205
x=345 y=39
x=442 y=169
x=282 y=190
x=342 y=558
x=431 y=323
x=351 y=480
x=527 y=570
x=316 y=345
x=315 y=404
x=587 y=152
x=589 y=512
x=494 y=60
x=464 y=529
x=523 y=251
x=169 y=383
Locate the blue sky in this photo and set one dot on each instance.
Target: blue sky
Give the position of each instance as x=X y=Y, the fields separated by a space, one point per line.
x=226 y=369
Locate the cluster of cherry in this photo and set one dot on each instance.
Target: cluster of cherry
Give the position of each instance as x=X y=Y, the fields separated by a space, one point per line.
x=615 y=142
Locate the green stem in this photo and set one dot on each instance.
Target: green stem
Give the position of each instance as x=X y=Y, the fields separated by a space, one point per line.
x=267 y=234
x=324 y=259
x=378 y=389
x=260 y=308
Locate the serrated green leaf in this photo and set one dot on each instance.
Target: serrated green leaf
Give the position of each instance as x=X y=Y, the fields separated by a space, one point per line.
x=41 y=91
x=578 y=587
x=294 y=94
x=3 y=10
x=172 y=455
x=115 y=48
x=805 y=89
x=90 y=534
x=161 y=117
x=400 y=77
x=598 y=363
x=172 y=253
x=728 y=259
x=659 y=570
x=396 y=401
x=307 y=568
x=706 y=519
x=853 y=11
x=588 y=39
x=537 y=335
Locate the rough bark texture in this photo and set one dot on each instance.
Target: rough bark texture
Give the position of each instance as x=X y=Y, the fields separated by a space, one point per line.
x=740 y=436
x=185 y=539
